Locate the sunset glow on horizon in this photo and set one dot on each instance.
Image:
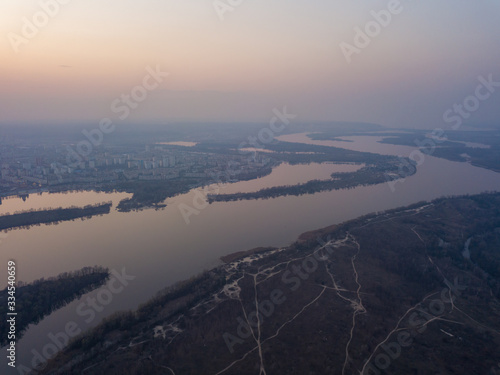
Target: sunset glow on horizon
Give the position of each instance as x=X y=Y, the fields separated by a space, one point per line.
x=261 y=55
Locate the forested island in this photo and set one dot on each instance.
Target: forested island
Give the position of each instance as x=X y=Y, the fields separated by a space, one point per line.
x=377 y=169
x=369 y=175
x=49 y=216
x=40 y=298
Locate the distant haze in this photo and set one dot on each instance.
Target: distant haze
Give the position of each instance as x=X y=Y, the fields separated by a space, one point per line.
x=264 y=54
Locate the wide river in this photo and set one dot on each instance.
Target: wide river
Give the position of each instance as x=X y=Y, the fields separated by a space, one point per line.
x=159 y=248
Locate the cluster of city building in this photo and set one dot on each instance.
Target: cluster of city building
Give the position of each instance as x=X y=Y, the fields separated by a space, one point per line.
x=25 y=168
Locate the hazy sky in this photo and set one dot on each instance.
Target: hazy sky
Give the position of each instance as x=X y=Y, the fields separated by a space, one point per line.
x=263 y=54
